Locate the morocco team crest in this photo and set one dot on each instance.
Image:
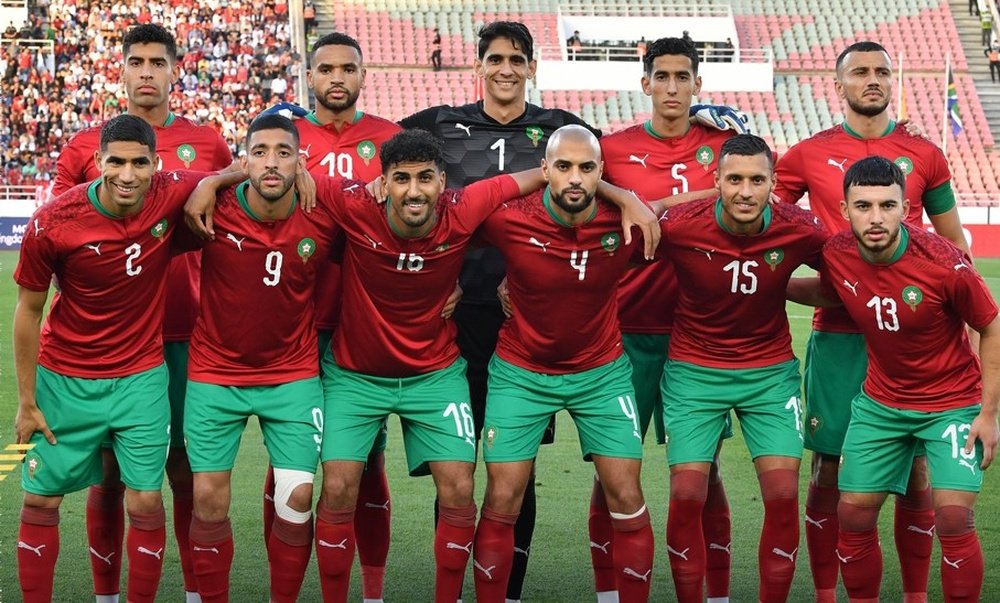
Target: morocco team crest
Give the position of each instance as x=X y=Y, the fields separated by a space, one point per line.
x=611 y=241
x=704 y=155
x=366 y=151
x=306 y=249
x=905 y=164
x=33 y=465
x=186 y=153
x=534 y=134
x=491 y=436
x=774 y=257
x=912 y=296
x=159 y=229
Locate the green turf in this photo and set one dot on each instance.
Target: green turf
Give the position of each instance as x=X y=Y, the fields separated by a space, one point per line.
x=560 y=562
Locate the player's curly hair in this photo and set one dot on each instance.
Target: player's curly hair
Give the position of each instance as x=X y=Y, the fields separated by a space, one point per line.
x=665 y=46
x=747 y=145
x=863 y=46
x=272 y=121
x=874 y=171
x=414 y=145
x=128 y=128
x=150 y=33
x=514 y=31
x=338 y=39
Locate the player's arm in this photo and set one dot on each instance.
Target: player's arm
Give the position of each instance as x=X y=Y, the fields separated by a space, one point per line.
x=984 y=427
x=635 y=212
x=809 y=291
x=661 y=205
x=789 y=174
x=69 y=170
x=949 y=226
x=27 y=334
x=201 y=203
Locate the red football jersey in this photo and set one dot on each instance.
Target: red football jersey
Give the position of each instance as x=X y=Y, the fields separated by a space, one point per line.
x=563 y=285
x=654 y=167
x=817 y=165
x=731 y=310
x=181 y=144
x=394 y=288
x=913 y=312
x=263 y=270
x=105 y=320
x=351 y=153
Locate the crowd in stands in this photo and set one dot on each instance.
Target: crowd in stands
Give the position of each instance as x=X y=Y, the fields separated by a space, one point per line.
x=578 y=49
x=236 y=58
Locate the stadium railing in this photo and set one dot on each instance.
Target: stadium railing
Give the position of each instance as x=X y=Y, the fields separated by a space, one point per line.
x=653 y=9
x=629 y=53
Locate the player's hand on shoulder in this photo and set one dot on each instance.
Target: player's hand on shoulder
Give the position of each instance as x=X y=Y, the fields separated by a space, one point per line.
x=913 y=129
x=721 y=117
x=639 y=214
x=987 y=431
x=452 y=302
x=289 y=110
x=305 y=186
x=30 y=419
x=374 y=189
x=503 y=294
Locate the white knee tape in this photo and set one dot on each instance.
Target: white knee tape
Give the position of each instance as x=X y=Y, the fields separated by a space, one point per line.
x=285 y=482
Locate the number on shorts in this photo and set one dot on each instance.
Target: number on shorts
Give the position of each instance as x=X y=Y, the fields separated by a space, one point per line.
x=317 y=419
x=793 y=405
x=465 y=427
x=958 y=433
x=628 y=409
x=272 y=264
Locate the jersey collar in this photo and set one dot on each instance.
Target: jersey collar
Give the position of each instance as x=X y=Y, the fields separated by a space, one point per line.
x=648 y=127
x=311 y=117
x=171 y=118
x=241 y=196
x=547 y=202
x=718 y=219
x=395 y=231
x=853 y=134
x=904 y=242
x=95 y=200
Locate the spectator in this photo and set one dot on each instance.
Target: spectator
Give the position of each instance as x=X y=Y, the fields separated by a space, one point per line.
x=974 y=6
x=574 y=44
x=640 y=48
x=993 y=54
x=309 y=16
x=728 y=50
x=687 y=38
x=987 y=23
x=436 y=50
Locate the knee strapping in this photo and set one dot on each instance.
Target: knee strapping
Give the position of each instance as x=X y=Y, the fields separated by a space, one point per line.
x=285 y=483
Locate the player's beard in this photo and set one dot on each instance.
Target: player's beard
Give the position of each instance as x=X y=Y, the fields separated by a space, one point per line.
x=416 y=221
x=286 y=183
x=573 y=207
x=350 y=101
x=880 y=247
x=870 y=110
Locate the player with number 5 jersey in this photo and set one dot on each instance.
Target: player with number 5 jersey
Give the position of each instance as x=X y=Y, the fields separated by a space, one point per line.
x=910 y=291
x=731 y=350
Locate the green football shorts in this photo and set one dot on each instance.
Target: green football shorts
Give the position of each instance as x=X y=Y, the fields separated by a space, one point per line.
x=697 y=401
x=132 y=412
x=835 y=369
x=881 y=442
x=382 y=437
x=290 y=416
x=647 y=353
x=433 y=409
x=521 y=402
x=175 y=354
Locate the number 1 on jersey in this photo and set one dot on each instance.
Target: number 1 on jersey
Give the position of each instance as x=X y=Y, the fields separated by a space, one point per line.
x=499 y=146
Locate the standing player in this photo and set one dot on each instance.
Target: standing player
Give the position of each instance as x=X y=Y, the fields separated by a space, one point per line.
x=501 y=134
x=835 y=358
x=262 y=263
x=561 y=244
x=910 y=291
x=96 y=370
x=731 y=350
x=638 y=158
x=337 y=139
x=150 y=69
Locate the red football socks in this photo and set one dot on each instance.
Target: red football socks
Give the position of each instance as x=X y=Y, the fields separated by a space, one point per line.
x=146 y=542
x=37 y=551
x=493 y=555
x=105 y=530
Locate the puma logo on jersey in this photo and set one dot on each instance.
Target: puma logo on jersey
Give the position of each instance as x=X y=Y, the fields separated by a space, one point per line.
x=486 y=570
x=852 y=287
x=631 y=572
x=521 y=551
x=175 y=176
x=919 y=530
x=373 y=242
x=107 y=559
x=781 y=553
x=350 y=188
x=454 y=545
x=538 y=243
x=464 y=127
x=842 y=558
x=960 y=265
x=953 y=564
x=817 y=522
x=966 y=463
x=713 y=546
x=601 y=547
x=146 y=551
x=340 y=545
x=201 y=549
x=708 y=252
x=96 y=248
x=34 y=549
x=640 y=160
x=682 y=554
x=38 y=228
x=305 y=152
x=839 y=166
x=239 y=242
x=384 y=506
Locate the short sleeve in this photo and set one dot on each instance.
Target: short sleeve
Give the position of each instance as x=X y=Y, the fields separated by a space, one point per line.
x=70 y=169
x=970 y=296
x=223 y=155
x=480 y=199
x=425 y=120
x=38 y=258
x=790 y=174
x=330 y=194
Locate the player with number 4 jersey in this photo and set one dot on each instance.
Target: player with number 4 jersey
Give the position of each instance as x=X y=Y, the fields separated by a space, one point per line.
x=910 y=291
x=731 y=351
